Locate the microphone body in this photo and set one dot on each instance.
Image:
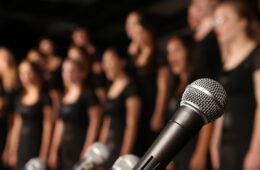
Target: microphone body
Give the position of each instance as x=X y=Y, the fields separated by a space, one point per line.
x=183 y=125
x=202 y=102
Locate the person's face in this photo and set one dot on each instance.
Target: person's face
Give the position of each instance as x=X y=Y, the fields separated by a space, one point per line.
x=131 y=21
x=227 y=24
x=177 y=56
x=35 y=57
x=74 y=53
x=70 y=73
x=26 y=74
x=111 y=65
x=80 y=37
x=46 y=47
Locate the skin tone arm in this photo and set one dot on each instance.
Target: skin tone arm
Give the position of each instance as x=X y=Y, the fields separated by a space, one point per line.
x=46 y=135
x=251 y=161
x=199 y=157
x=58 y=131
x=157 y=120
x=104 y=130
x=215 y=142
x=93 y=129
x=14 y=140
x=133 y=107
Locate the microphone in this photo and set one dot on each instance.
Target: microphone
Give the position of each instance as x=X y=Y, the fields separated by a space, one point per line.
x=202 y=102
x=125 y=162
x=96 y=155
x=35 y=164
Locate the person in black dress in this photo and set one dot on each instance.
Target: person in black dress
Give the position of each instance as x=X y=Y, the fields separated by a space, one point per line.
x=32 y=125
x=78 y=124
x=121 y=108
x=150 y=75
x=81 y=39
x=196 y=153
x=235 y=143
x=8 y=89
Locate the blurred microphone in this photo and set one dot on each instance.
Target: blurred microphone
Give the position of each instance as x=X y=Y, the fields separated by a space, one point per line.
x=202 y=102
x=126 y=162
x=96 y=155
x=35 y=164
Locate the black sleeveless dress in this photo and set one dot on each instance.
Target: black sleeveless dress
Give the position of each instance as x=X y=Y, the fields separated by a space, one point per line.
x=31 y=130
x=116 y=109
x=240 y=111
x=75 y=119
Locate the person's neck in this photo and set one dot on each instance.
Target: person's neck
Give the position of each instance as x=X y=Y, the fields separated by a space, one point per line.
x=184 y=77
x=74 y=88
x=241 y=42
x=120 y=76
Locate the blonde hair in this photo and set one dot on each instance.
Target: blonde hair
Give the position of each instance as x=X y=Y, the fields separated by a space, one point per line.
x=9 y=76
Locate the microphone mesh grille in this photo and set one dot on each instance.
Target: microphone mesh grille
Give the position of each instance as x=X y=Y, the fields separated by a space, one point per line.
x=207 y=96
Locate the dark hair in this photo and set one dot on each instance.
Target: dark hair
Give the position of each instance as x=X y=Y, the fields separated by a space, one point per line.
x=243 y=11
x=79 y=65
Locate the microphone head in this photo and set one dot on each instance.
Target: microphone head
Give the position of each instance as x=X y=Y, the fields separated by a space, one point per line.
x=126 y=162
x=207 y=97
x=35 y=164
x=97 y=153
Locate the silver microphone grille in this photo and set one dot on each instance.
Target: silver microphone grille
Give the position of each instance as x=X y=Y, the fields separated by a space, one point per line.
x=125 y=162
x=207 y=97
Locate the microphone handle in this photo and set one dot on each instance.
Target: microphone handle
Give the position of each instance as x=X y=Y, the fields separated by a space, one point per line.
x=184 y=124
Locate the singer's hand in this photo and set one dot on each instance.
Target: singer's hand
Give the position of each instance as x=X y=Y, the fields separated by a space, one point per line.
x=198 y=162
x=156 y=123
x=251 y=161
x=53 y=161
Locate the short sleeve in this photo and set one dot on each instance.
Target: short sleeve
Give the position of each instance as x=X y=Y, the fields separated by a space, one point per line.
x=256 y=62
x=130 y=90
x=90 y=98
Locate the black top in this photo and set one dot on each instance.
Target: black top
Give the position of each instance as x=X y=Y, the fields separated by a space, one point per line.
x=116 y=109
x=32 y=127
x=54 y=79
x=206 y=58
x=240 y=111
x=75 y=119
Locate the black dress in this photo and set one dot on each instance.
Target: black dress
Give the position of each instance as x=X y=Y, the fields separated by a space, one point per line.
x=205 y=58
x=115 y=109
x=32 y=127
x=75 y=119
x=240 y=111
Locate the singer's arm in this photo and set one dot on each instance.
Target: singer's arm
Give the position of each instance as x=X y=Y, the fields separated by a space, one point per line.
x=94 y=114
x=252 y=157
x=14 y=140
x=215 y=143
x=157 y=121
x=46 y=135
x=104 y=130
x=199 y=157
x=56 y=140
x=133 y=107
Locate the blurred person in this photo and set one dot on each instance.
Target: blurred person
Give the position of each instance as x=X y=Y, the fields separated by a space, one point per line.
x=236 y=137
x=35 y=56
x=52 y=71
x=206 y=50
x=8 y=88
x=31 y=130
x=151 y=76
x=195 y=155
x=81 y=39
x=121 y=108
x=78 y=124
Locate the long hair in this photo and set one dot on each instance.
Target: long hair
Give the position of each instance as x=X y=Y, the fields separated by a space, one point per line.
x=9 y=77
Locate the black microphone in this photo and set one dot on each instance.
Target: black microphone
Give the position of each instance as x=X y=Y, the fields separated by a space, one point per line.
x=125 y=162
x=202 y=102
